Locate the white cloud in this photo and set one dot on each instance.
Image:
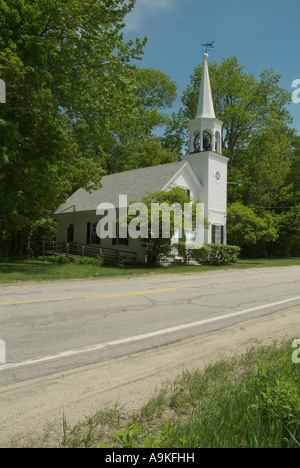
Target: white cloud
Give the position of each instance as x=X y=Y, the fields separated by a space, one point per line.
x=144 y=9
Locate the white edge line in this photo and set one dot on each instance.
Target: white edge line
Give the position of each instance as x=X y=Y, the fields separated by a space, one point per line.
x=141 y=337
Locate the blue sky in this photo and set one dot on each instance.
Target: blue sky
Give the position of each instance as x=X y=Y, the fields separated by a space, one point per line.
x=263 y=34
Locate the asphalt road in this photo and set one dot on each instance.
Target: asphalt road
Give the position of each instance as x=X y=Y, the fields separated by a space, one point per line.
x=50 y=328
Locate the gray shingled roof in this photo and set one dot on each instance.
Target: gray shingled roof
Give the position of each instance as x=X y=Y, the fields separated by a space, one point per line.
x=135 y=184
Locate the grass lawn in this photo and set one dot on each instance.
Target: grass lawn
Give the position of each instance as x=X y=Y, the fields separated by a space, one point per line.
x=34 y=270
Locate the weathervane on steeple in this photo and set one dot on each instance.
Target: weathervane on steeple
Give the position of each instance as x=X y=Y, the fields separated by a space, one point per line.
x=208 y=46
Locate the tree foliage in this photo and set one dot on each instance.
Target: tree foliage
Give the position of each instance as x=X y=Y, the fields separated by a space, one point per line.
x=67 y=71
x=158 y=247
x=136 y=142
x=248 y=230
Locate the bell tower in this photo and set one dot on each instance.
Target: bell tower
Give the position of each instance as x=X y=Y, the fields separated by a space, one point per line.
x=208 y=163
x=205 y=131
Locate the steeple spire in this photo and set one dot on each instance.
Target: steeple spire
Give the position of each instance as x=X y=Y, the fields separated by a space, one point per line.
x=205 y=104
x=205 y=130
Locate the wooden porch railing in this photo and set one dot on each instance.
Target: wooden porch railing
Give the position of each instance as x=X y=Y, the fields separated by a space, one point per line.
x=79 y=250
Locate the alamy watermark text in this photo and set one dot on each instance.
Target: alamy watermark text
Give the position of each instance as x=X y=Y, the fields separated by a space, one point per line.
x=296 y=93
x=139 y=221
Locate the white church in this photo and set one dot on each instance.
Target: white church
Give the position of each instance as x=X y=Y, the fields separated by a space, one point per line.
x=202 y=173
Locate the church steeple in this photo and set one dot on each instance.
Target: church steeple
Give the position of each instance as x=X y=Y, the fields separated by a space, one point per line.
x=205 y=129
x=206 y=160
x=205 y=103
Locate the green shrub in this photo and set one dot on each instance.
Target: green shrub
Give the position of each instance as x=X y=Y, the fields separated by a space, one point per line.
x=99 y=261
x=62 y=259
x=185 y=252
x=127 y=262
x=217 y=254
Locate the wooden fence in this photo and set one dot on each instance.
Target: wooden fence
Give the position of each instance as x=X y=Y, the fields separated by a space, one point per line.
x=78 y=250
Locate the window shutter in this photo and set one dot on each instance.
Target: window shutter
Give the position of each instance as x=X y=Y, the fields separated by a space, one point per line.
x=222 y=235
x=213 y=234
x=183 y=236
x=88 y=234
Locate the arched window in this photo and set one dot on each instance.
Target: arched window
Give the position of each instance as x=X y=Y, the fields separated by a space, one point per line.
x=218 y=142
x=197 y=141
x=207 y=141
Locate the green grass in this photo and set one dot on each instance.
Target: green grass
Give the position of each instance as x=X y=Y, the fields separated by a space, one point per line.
x=241 y=404
x=33 y=270
x=250 y=401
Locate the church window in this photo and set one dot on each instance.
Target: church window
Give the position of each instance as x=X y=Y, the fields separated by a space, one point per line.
x=91 y=234
x=217 y=234
x=94 y=237
x=119 y=240
x=70 y=233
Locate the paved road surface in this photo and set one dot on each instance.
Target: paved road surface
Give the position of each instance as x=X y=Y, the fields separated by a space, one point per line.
x=50 y=328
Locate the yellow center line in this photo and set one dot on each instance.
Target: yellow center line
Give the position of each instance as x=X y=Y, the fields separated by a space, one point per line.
x=150 y=291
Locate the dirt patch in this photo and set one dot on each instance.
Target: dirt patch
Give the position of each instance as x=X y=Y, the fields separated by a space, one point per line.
x=29 y=408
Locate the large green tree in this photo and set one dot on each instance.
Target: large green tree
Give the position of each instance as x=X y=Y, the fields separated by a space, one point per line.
x=136 y=140
x=249 y=231
x=68 y=75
